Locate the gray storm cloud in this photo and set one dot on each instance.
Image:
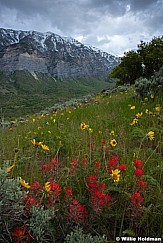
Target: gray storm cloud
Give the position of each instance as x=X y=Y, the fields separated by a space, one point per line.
x=112 y=25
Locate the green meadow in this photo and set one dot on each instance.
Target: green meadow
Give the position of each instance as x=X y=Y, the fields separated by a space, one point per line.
x=93 y=171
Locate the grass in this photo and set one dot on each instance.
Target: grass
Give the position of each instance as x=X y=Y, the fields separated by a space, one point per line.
x=85 y=152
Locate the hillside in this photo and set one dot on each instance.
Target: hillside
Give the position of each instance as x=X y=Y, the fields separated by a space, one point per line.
x=93 y=171
x=23 y=93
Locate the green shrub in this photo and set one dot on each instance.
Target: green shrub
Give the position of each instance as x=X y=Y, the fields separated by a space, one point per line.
x=77 y=236
x=10 y=199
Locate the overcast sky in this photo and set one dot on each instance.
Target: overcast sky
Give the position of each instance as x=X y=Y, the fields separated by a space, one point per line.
x=115 y=26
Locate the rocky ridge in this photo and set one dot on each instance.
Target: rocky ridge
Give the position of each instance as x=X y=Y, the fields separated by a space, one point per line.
x=59 y=57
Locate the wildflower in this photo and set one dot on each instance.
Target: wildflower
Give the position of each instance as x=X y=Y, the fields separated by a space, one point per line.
x=92 y=178
x=122 y=167
x=45 y=168
x=97 y=165
x=132 y=107
x=54 y=164
x=47 y=186
x=45 y=147
x=100 y=201
x=68 y=194
x=157 y=108
x=24 y=184
x=18 y=232
x=83 y=126
x=33 y=120
x=90 y=130
x=115 y=175
x=51 y=186
x=113 y=142
x=138 y=172
x=141 y=184
x=136 y=199
x=112 y=163
x=151 y=135
x=74 y=164
x=10 y=168
x=35 y=143
x=138 y=164
x=138 y=115
x=112 y=133
x=36 y=187
x=146 y=99
x=150 y=113
x=113 y=160
x=146 y=111
x=92 y=187
x=19 y=235
x=135 y=121
x=152 y=96
x=55 y=187
x=31 y=201
x=77 y=212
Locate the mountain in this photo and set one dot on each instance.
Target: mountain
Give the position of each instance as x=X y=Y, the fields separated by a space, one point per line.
x=49 y=53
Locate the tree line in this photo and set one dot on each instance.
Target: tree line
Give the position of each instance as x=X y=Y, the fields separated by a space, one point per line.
x=144 y=62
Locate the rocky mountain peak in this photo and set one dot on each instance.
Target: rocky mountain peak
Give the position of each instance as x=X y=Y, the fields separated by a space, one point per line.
x=60 y=57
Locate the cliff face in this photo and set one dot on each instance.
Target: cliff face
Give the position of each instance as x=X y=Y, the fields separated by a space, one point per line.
x=49 y=53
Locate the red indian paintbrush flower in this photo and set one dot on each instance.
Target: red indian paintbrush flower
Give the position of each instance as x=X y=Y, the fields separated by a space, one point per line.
x=18 y=232
x=141 y=184
x=138 y=164
x=122 y=167
x=138 y=172
x=136 y=199
x=19 y=236
x=77 y=212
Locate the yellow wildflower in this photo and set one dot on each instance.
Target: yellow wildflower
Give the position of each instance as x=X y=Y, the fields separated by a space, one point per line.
x=151 y=135
x=157 y=108
x=113 y=142
x=150 y=113
x=45 y=147
x=146 y=111
x=35 y=143
x=132 y=107
x=83 y=126
x=10 y=168
x=135 y=121
x=33 y=120
x=24 y=184
x=138 y=115
x=47 y=186
x=112 y=133
x=90 y=130
x=146 y=99
x=152 y=96
x=116 y=175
